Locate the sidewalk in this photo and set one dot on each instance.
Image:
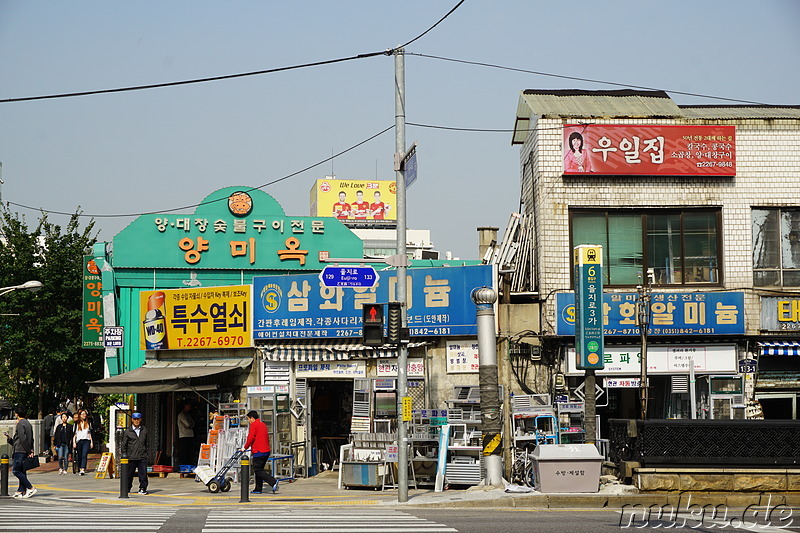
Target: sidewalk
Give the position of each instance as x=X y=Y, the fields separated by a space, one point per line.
x=321 y=490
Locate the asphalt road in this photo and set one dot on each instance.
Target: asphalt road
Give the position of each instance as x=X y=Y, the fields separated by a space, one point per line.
x=35 y=517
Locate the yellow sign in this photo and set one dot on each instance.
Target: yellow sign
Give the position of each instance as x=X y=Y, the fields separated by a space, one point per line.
x=406 y=408
x=588 y=254
x=354 y=200
x=208 y=317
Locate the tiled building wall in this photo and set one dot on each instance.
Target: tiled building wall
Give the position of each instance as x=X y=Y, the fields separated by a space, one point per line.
x=767 y=174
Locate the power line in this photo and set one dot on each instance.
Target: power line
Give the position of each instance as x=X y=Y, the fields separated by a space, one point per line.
x=309 y=167
x=189 y=82
x=589 y=80
x=437 y=23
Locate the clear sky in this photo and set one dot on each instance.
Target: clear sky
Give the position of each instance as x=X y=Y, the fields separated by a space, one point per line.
x=158 y=149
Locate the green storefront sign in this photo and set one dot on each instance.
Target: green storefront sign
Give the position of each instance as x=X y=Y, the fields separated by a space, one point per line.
x=235 y=228
x=92 y=315
x=588 y=263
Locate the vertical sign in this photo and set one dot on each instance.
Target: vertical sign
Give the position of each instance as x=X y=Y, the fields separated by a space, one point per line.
x=92 y=323
x=588 y=262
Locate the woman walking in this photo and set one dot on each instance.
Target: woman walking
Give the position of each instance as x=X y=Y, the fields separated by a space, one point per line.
x=83 y=440
x=62 y=440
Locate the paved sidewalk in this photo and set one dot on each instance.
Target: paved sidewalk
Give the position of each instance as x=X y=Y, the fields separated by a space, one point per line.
x=321 y=490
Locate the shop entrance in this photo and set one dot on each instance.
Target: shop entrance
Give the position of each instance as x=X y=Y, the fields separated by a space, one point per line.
x=331 y=411
x=778 y=406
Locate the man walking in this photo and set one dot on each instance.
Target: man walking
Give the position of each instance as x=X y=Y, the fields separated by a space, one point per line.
x=186 y=435
x=258 y=438
x=135 y=442
x=22 y=443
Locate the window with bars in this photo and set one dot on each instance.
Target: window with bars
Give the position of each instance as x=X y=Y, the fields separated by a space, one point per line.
x=682 y=246
x=776 y=247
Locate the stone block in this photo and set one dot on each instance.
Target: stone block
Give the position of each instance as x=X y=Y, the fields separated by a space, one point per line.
x=759 y=482
x=651 y=482
x=713 y=482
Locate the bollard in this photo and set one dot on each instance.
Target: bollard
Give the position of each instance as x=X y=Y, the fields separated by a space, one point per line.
x=4 y=475
x=244 y=478
x=123 y=476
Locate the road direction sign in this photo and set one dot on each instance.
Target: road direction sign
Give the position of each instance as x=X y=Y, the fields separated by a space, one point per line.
x=349 y=276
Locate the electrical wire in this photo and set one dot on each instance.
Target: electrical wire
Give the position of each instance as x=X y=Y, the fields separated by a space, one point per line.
x=437 y=23
x=189 y=82
x=273 y=182
x=576 y=78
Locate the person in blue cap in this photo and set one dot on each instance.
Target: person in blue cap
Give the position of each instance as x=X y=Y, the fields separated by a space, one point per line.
x=135 y=444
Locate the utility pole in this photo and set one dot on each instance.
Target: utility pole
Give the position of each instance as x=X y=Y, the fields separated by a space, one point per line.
x=643 y=319
x=400 y=288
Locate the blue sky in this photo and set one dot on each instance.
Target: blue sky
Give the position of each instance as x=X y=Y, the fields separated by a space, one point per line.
x=158 y=149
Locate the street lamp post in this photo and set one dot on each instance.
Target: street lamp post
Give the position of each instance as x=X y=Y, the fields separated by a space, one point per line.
x=32 y=286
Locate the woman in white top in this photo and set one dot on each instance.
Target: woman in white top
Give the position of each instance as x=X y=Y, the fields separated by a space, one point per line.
x=83 y=439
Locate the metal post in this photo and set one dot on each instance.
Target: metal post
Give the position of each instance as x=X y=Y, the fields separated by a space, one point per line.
x=692 y=390
x=124 y=472
x=4 y=475
x=491 y=422
x=590 y=422
x=400 y=296
x=244 y=478
x=643 y=315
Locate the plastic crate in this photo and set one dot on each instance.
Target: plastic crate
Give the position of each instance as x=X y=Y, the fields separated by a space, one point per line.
x=162 y=468
x=186 y=469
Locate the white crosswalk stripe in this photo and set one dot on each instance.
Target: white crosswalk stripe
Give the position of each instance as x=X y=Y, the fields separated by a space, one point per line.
x=97 y=520
x=318 y=521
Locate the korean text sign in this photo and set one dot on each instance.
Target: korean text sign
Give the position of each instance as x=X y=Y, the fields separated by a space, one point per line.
x=209 y=317
x=671 y=313
x=588 y=264
x=300 y=306
x=667 y=150
x=92 y=323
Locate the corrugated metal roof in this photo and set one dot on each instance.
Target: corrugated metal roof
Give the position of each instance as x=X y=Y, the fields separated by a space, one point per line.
x=740 y=112
x=571 y=103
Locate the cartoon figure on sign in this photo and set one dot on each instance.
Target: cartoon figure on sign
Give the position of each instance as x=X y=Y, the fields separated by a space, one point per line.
x=240 y=204
x=591 y=255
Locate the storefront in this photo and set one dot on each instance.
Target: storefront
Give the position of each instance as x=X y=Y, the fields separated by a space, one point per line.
x=692 y=336
x=777 y=384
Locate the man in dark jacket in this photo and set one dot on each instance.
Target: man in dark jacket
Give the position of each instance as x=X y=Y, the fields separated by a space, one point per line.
x=135 y=442
x=22 y=443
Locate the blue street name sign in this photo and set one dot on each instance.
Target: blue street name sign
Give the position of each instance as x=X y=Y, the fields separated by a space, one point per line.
x=348 y=276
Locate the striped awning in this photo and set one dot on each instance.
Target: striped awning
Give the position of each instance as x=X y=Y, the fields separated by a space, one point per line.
x=780 y=348
x=327 y=350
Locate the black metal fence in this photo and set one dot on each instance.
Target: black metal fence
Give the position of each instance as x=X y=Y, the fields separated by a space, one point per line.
x=732 y=443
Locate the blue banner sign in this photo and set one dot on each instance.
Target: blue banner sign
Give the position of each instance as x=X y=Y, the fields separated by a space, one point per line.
x=302 y=307
x=671 y=313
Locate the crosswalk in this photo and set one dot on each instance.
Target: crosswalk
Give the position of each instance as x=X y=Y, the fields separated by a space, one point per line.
x=82 y=518
x=327 y=520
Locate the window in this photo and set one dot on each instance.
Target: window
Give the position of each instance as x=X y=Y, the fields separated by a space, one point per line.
x=681 y=246
x=776 y=247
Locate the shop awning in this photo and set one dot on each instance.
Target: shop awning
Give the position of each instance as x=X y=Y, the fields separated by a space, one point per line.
x=780 y=348
x=169 y=376
x=327 y=350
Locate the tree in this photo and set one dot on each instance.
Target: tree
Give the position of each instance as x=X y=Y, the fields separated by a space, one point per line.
x=40 y=333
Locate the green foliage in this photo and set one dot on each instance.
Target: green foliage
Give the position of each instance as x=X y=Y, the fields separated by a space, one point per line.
x=41 y=359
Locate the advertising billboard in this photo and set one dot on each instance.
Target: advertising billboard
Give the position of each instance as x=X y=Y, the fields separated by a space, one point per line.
x=671 y=313
x=649 y=150
x=301 y=307
x=208 y=317
x=355 y=201
x=92 y=314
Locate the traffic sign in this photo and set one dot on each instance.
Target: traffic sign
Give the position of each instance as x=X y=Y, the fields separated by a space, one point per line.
x=349 y=276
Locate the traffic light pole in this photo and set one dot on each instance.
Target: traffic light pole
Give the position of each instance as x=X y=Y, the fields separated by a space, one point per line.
x=400 y=295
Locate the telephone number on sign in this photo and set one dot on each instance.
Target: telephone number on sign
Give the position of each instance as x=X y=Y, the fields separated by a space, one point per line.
x=430 y=331
x=203 y=342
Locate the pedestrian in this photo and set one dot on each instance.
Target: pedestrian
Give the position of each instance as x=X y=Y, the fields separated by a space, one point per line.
x=82 y=440
x=49 y=424
x=258 y=439
x=62 y=439
x=185 y=435
x=22 y=447
x=74 y=423
x=135 y=445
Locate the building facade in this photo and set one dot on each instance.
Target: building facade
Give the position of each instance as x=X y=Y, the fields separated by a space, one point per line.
x=695 y=205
